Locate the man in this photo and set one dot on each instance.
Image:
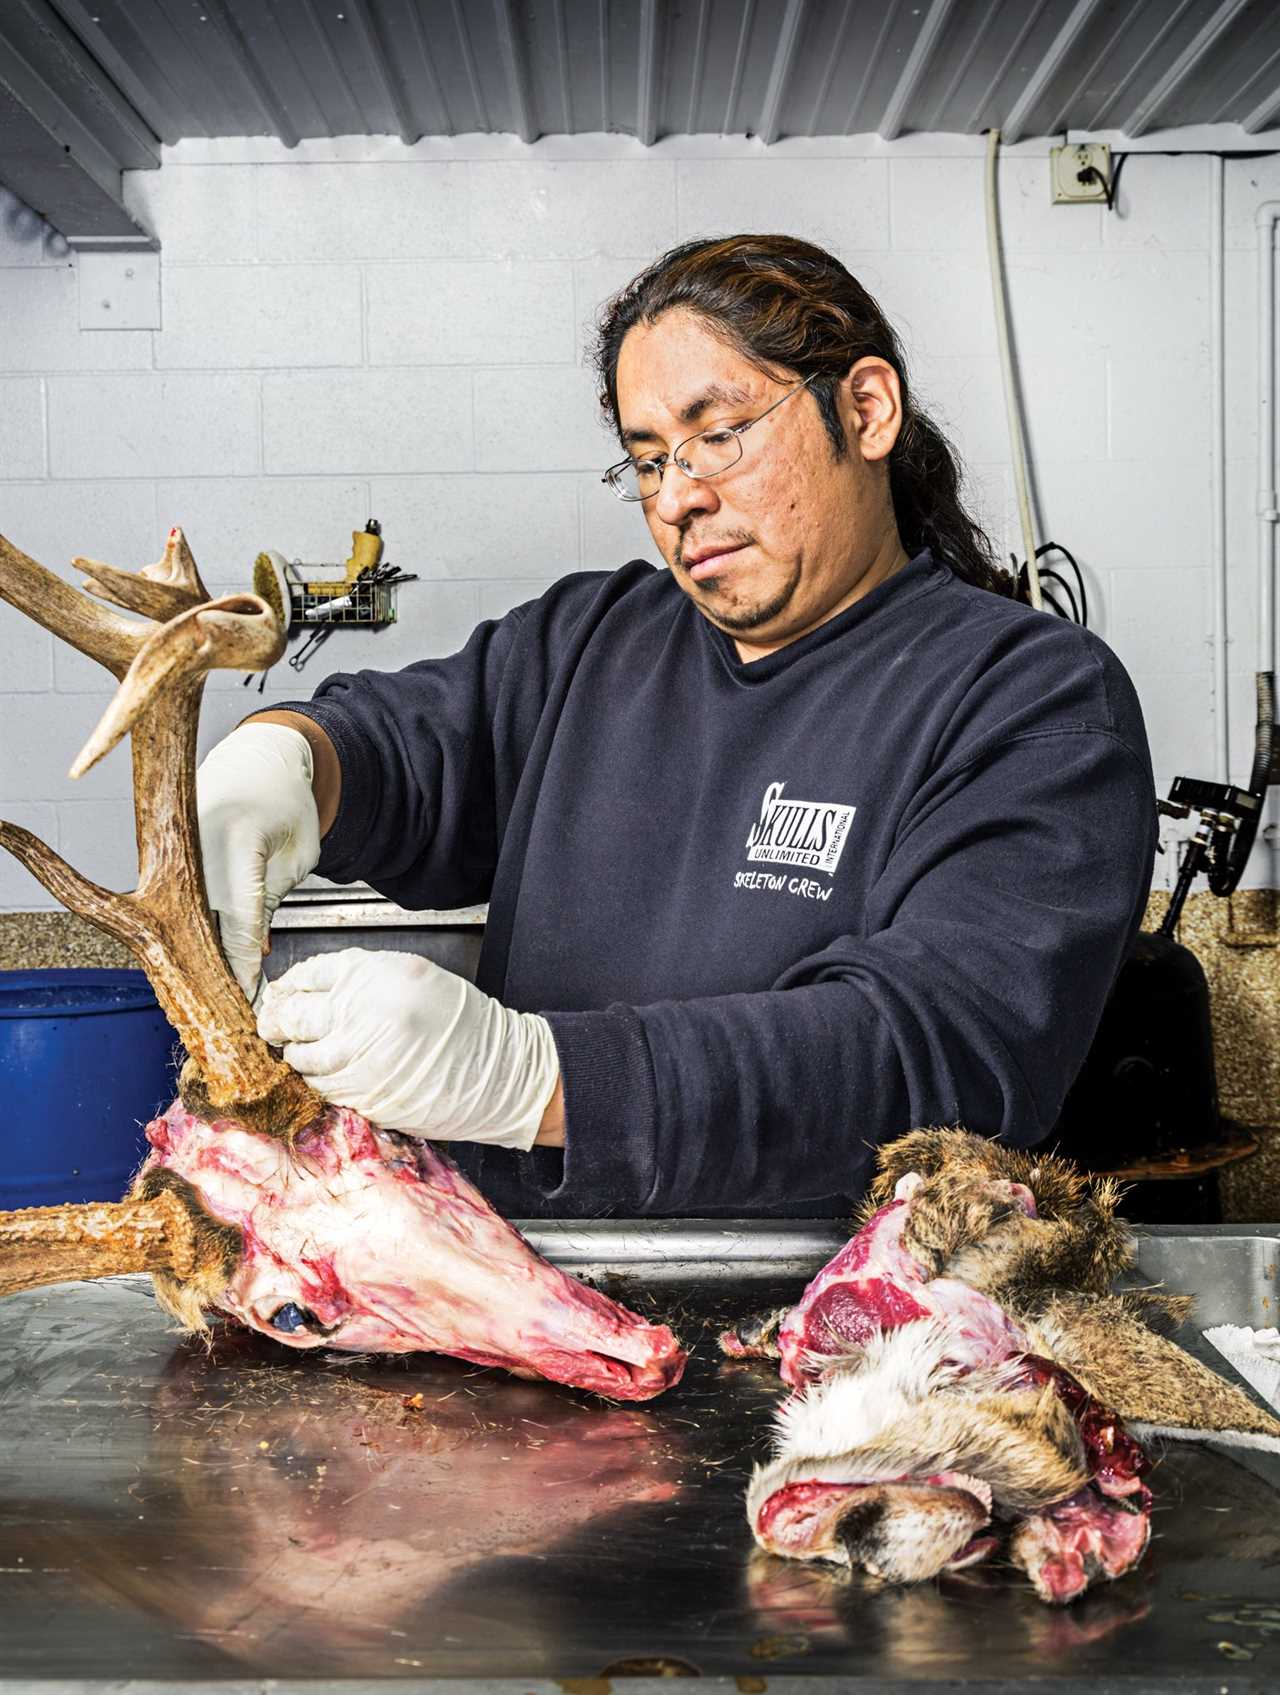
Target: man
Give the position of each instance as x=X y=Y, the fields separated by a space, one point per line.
x=806 y=841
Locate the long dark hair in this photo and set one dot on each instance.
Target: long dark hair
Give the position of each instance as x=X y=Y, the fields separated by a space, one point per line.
x=784 y=302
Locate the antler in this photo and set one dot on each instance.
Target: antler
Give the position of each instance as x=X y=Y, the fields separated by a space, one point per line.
x=101 y=1239
x=162 y=590
x=67 y=612
x=166 y=922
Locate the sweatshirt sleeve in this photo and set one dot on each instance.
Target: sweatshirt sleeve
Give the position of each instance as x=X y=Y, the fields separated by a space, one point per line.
x=1016 y=884
x=417 y=818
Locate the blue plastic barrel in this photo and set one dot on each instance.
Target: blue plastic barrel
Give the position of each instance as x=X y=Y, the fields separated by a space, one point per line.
x=86 y=1058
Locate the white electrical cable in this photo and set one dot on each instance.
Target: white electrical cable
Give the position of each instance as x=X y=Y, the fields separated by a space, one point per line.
x=1012 y=411
x=1217 y=465
x=1266 y=218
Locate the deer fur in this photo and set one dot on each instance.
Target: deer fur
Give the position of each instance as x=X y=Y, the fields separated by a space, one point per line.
x=1054 y=1273
x=900 y=1409
x=894 y=1455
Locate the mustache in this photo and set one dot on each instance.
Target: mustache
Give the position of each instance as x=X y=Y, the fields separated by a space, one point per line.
x=700 y=544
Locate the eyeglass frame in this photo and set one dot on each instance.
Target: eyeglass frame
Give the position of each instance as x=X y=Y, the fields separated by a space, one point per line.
x=661 y=463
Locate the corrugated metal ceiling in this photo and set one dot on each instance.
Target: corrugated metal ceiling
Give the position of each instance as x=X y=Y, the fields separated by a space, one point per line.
x=649 y=68
x=107 y=81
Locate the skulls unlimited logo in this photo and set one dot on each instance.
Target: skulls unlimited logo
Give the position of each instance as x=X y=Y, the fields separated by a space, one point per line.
x=808 y=833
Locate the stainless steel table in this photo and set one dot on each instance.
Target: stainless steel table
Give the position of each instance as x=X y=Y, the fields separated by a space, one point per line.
x=173 y=1513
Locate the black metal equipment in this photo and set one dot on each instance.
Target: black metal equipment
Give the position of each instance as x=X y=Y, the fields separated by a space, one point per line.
x=1145 y=1105
x=1228 y=816
x=1220 y=846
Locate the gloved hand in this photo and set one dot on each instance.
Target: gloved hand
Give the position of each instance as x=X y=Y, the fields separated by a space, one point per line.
x=413 y=1047
x=259 y=835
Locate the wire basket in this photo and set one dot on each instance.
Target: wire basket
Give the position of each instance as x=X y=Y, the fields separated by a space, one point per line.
x=365 y=603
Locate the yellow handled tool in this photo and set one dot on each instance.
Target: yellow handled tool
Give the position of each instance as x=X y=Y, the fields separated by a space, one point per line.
x=366 y=552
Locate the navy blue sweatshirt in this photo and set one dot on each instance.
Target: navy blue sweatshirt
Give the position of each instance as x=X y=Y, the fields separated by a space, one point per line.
x=776 y=912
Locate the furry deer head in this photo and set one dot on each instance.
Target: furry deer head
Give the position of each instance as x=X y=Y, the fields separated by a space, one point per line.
x=964 y=1368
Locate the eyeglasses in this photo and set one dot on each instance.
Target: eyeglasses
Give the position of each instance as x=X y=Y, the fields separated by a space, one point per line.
x=699 y=456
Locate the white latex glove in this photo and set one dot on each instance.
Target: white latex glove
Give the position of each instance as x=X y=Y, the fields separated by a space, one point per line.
x=259 y=835
x=413 y=1047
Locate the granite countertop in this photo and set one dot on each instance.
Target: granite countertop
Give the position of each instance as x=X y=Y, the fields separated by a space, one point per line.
x=38 y=941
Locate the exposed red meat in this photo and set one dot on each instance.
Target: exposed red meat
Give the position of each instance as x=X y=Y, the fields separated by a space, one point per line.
x=1063 y=1549
x=362 y=1239
x=801 y=1518
x=1115 y=1459
x=874 y=1284
x=1102 y=1530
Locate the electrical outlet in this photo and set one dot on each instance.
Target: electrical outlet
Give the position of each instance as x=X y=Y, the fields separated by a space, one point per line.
x=1080 y=175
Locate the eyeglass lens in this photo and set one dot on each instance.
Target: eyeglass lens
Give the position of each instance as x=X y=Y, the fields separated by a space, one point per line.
x=700 y=456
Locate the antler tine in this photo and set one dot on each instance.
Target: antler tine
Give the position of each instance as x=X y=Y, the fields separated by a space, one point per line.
x=98 y=1239
x=161 y=591
x=68 y=612
x=238 y=633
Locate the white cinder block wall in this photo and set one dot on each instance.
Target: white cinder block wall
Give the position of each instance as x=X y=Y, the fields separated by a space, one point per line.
x=353 y=329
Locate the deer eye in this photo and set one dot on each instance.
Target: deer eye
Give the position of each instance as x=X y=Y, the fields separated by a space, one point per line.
x=290 y=1317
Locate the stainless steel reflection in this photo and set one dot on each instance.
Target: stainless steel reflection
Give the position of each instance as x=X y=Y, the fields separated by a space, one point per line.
x=1232 y=1270
x=697 y=1251
x=217 y=1515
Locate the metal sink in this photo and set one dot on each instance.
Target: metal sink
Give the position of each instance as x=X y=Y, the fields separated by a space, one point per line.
x=1233 y=1270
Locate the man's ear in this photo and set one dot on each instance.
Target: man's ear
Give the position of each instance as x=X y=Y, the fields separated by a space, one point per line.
x=871 y=397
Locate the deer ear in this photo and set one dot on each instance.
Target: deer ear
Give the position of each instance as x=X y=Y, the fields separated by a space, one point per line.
x=923 y=1151
x=1108 y=1342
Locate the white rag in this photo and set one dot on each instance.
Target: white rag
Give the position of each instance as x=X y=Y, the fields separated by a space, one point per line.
x=1254 y=1353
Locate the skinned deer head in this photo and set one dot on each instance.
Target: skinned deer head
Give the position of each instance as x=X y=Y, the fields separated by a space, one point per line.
x=160 y=661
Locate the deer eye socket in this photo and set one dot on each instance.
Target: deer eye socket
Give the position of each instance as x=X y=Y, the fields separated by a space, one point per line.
x=290 y=1317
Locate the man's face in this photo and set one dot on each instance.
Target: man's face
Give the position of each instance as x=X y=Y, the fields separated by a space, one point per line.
x=789 y=536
